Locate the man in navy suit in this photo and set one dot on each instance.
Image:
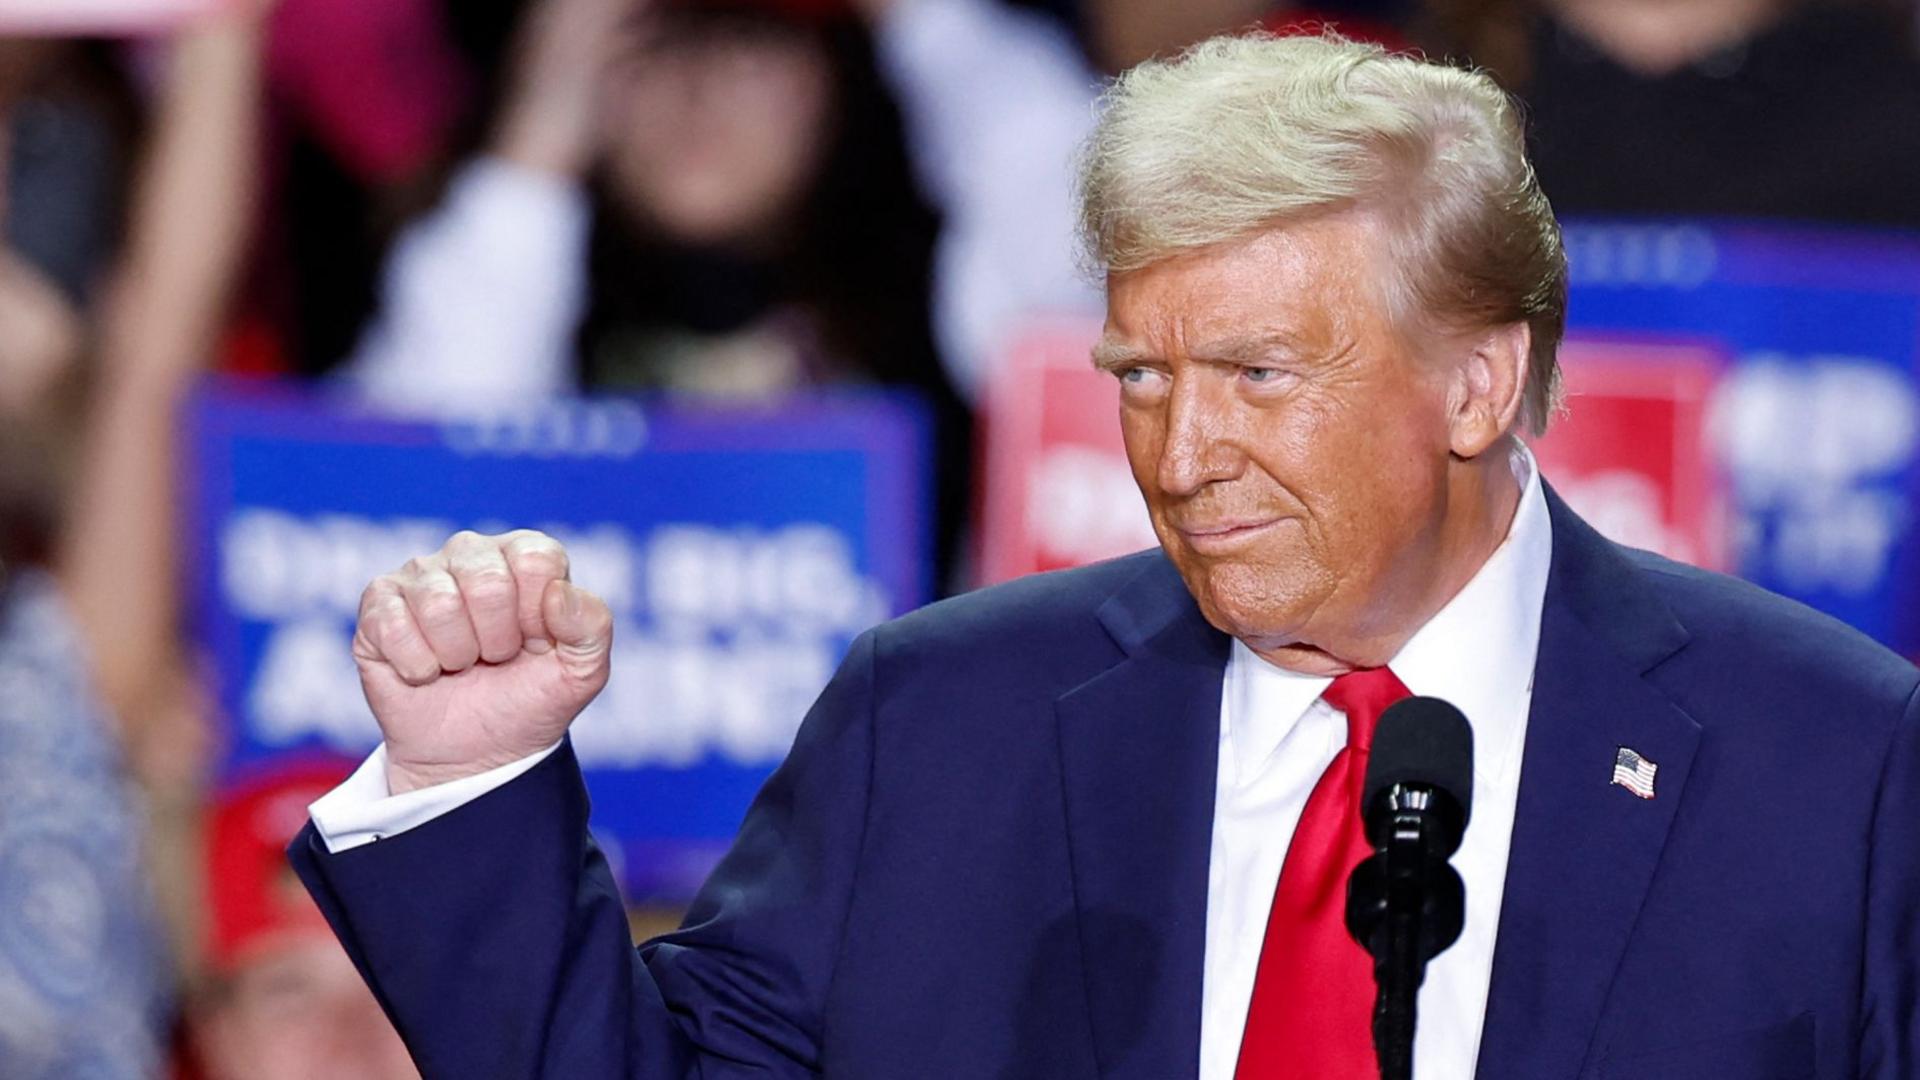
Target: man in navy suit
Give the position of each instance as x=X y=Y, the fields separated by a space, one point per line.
x=1096 y=823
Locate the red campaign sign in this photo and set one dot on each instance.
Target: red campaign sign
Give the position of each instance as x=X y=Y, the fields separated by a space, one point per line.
x=100 y=16
x=1058 y=491
x=1631 y=455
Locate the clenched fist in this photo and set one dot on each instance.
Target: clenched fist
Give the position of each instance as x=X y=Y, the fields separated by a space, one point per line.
x=478 y=655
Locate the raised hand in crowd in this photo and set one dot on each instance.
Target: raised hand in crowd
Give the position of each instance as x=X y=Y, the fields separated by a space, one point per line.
x=552 y=118
x=480 y=299
x=116 y=552
x=159 y=322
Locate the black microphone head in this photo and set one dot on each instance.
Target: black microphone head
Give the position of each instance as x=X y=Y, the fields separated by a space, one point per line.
x=1421 y=742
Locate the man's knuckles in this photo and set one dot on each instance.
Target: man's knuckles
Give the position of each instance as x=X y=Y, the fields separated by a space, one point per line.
x=385 y=622
x=489 y=590
x=537 y=566
x=533 y=554
x=476 y=599
x=440 y=617
x=467 y=540
x=392 y=638
x=378 y=591
x=440 y=607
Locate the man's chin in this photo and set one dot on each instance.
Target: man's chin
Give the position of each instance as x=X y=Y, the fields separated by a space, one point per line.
x=1260 y=625
x=1265 y=594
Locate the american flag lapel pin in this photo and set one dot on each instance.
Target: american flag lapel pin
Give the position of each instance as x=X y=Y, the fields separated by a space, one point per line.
x=1633 y=772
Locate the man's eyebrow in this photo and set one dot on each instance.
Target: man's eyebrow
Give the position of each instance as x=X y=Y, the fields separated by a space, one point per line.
x=1114 y=357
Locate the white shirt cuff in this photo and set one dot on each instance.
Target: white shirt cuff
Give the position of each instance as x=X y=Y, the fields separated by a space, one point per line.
x=362 y=809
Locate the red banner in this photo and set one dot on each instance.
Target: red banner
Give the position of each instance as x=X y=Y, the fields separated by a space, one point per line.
x=1058 y=490
x=1631 y=454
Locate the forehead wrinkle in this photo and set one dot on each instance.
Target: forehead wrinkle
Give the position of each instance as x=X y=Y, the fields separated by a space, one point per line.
x=1115 y=353
x=1241 y=348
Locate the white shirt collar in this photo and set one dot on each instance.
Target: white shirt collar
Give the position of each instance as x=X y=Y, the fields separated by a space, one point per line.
x=1477 y=652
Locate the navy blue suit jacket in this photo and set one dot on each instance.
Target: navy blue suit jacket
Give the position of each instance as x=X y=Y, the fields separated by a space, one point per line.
x=986 y=856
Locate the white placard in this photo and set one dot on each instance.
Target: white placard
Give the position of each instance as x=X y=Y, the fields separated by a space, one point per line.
x=98 y=16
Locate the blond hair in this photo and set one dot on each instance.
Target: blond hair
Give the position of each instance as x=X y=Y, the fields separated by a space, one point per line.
x=1244 y=133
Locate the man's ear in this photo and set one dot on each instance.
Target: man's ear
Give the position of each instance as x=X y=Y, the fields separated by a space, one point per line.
x=1489 y=386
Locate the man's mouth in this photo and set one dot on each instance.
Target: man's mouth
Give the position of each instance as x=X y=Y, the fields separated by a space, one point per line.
x=1215 y=537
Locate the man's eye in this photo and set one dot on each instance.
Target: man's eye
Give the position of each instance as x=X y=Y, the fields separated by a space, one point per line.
x=1134 y=375
x=1260 y=374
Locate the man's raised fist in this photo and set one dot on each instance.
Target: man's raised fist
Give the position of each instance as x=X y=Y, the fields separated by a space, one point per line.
x=478 y=655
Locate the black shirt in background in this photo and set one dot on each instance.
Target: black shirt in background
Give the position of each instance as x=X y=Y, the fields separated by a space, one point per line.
x=1817 y=119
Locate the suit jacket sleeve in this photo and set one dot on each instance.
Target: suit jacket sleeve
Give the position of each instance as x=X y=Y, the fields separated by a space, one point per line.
x=496 y=941
x=1890 y=1035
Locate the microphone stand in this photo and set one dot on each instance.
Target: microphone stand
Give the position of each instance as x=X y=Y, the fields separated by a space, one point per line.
x=1406 y=904
x=1400 y=967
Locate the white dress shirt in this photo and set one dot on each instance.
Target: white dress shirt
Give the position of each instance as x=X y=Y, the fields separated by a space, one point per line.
x=1276 y=738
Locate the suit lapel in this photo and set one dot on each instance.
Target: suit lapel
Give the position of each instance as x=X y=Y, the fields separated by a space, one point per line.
x=1583 y=849
x=1138 y=747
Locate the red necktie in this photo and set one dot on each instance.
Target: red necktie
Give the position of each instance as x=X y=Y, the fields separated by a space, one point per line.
x=1311 y=1015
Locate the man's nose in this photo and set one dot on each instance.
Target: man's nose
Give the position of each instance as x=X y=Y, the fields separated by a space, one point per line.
x=1199 y=446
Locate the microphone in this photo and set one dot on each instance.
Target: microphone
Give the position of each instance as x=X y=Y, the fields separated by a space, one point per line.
x=1404 y=902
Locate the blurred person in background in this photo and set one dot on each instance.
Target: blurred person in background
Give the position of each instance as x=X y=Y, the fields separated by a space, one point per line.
x=365 y=99
x=281 y=1000
x=706 y=199
x=101 y=736
x=1122 y=33
x=997 y=98
x=1803 y=110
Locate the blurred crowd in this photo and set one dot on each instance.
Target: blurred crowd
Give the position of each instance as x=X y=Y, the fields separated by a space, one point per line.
x=431 y=203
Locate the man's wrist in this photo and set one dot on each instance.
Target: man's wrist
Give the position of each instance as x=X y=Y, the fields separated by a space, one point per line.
x=403 y=777
x=367 y=807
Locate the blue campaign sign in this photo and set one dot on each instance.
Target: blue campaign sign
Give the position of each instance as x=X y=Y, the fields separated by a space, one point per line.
x=741 y=551
x=1816 y=423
